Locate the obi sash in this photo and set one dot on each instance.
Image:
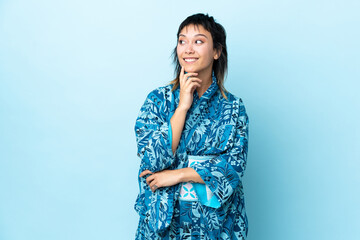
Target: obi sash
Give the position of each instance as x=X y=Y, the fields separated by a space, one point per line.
x=198 y=191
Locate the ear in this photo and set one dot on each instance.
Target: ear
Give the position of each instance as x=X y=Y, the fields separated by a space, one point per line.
x=217 y=54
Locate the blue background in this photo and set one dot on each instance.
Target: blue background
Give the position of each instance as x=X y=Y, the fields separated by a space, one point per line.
x=73 y=75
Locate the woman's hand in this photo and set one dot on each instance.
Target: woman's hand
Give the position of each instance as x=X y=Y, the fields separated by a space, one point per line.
x=165 y=178
x=188 y=84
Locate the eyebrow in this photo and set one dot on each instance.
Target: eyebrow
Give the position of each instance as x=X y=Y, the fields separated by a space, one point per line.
x=182 y=35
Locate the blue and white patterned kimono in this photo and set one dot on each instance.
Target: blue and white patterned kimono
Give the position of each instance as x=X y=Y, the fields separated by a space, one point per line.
x=213 y=126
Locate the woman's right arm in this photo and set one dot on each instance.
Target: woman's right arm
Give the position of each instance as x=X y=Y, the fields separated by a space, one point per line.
x=187 y=89
x=157 y=138
x=177 y=122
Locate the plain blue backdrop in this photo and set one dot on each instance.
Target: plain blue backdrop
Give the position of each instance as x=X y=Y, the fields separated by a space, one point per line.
x=73 y=75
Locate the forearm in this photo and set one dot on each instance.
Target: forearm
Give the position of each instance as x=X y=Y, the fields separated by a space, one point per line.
x=177 y=124
x=189 y=175
x=168 y=178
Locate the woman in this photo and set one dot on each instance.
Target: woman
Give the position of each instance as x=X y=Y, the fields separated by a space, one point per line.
x=192 y=141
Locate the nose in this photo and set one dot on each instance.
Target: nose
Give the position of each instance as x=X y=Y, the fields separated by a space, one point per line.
x=189 y=49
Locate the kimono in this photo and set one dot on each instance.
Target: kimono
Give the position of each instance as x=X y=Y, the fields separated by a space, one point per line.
x=214 y=126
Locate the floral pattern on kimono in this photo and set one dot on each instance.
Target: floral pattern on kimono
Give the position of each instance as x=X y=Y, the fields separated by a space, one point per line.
x=213 y=126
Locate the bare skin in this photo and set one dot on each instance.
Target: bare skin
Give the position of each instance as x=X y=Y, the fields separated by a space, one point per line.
x=197 y=44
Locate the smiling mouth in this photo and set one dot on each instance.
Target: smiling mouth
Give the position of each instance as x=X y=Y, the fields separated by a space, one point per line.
x=190 y=60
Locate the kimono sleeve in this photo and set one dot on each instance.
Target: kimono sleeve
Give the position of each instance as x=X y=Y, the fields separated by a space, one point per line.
x=153 y=132
x=223 y=173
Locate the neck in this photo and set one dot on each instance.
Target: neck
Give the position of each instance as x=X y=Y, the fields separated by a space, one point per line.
x=205 y=84
x=206 y=78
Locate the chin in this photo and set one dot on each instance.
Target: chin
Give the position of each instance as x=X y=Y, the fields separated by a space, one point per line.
x=191 y=69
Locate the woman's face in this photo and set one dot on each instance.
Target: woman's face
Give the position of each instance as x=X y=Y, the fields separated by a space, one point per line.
x=195 y=50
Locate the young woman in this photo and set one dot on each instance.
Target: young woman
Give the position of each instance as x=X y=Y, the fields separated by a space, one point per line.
x=192 y=138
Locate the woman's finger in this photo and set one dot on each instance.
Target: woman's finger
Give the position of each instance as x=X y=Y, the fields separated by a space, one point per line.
x=184 y=76
x=193 y=86
x=150 y=179
x=188 y=76
x=153 y=186
x=193 y=79
x=190 y=82
x=145 y=172
x=182 y=72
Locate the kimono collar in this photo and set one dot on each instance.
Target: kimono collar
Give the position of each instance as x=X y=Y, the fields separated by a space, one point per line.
x=210 y=91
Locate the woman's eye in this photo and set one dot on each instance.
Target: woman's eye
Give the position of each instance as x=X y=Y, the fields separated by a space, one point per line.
x=181 y=41
x=199 y=41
